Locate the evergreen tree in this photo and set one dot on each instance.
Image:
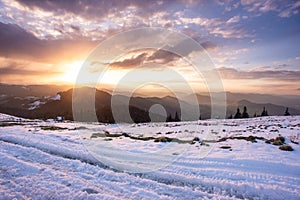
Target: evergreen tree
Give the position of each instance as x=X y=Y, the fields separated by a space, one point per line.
x=238 y=114
x=287 y=112
x=255 y=115
x=230 y=116
x=169 y=118
x=245 y=114
x=267 y=113
x=200 y=118
x=264 y=112
x=176 y=119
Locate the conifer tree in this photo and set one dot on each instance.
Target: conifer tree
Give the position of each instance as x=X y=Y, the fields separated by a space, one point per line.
x=238 y=114
x=264 y=112
x=169 y=118
x=245 y=114
x=287 y=112
x=267 y=113
x=176 y=119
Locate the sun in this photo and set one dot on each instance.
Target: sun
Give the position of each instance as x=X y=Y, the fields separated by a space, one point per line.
x=71 y=72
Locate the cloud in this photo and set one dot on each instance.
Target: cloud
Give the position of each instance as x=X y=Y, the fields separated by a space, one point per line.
x=131 y=62
x=206 y=22
x=15 y=42
x=283 y=8
x=256 y=5
x=196 y=35
x=97 y=20
x=228 y=55
x=165 y=55
x=290 y=10
x=268 y=6
x=233 y=19
x=96 y=9
x=219 y=27
x=264 y=68
x=230 y=32
x=159 y=56
x=208 y=45
x=184 y=48
x=285 y=75
x=12 y=71
x=15 y=68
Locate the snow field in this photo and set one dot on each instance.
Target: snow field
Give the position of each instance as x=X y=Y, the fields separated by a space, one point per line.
x=55 y=164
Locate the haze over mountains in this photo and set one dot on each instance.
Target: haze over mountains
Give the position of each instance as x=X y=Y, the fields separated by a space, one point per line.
x=50 y=101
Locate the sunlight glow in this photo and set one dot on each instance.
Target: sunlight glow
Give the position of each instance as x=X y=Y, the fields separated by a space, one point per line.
x=71 y=72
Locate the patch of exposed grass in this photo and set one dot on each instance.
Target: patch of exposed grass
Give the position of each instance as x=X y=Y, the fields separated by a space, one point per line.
x=103 y=135
x=250 y=138
x=78 y=128
x=167 y=139
x=52 y=128
x=4 y=124
x=159 y=139
x=163 y=139
x=137 y=138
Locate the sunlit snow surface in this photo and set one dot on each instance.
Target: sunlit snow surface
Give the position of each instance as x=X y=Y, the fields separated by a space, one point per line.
x=54 y=164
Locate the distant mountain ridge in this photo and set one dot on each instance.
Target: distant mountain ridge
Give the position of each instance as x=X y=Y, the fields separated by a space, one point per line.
x=31 y=90
x=52 y=101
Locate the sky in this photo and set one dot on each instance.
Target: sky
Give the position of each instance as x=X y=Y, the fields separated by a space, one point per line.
x=253 y=44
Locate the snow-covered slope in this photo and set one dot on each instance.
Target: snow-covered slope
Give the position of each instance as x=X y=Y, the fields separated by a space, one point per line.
x=47 y=160
x=5 y=117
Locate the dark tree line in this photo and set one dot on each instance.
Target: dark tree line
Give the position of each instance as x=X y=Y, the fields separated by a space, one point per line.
x=239 y=115
x=171 y=119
